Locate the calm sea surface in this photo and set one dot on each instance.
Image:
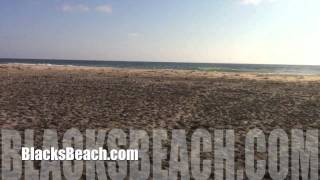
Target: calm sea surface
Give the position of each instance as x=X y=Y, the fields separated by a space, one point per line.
x=258 y=68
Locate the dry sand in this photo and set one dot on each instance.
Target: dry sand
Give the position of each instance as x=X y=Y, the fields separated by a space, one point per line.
x=60 y=97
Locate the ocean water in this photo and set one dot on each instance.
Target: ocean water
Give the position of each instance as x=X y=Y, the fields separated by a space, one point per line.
x=256 y=68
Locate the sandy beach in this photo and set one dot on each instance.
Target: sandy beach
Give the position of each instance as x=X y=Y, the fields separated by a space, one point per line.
x=60 y=97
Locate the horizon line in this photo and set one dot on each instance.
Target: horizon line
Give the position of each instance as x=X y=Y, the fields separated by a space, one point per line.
x=156 y=61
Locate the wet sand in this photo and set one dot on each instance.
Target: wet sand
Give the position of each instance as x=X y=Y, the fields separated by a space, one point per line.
x=60 y=97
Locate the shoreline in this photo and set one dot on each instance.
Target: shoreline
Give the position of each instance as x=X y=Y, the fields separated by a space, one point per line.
x=164 y=72
x=42 y=97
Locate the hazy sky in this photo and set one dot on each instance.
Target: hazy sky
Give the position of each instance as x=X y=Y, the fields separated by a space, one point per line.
x=232 y=31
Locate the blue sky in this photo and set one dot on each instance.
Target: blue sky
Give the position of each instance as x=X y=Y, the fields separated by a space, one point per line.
x=232 y=31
